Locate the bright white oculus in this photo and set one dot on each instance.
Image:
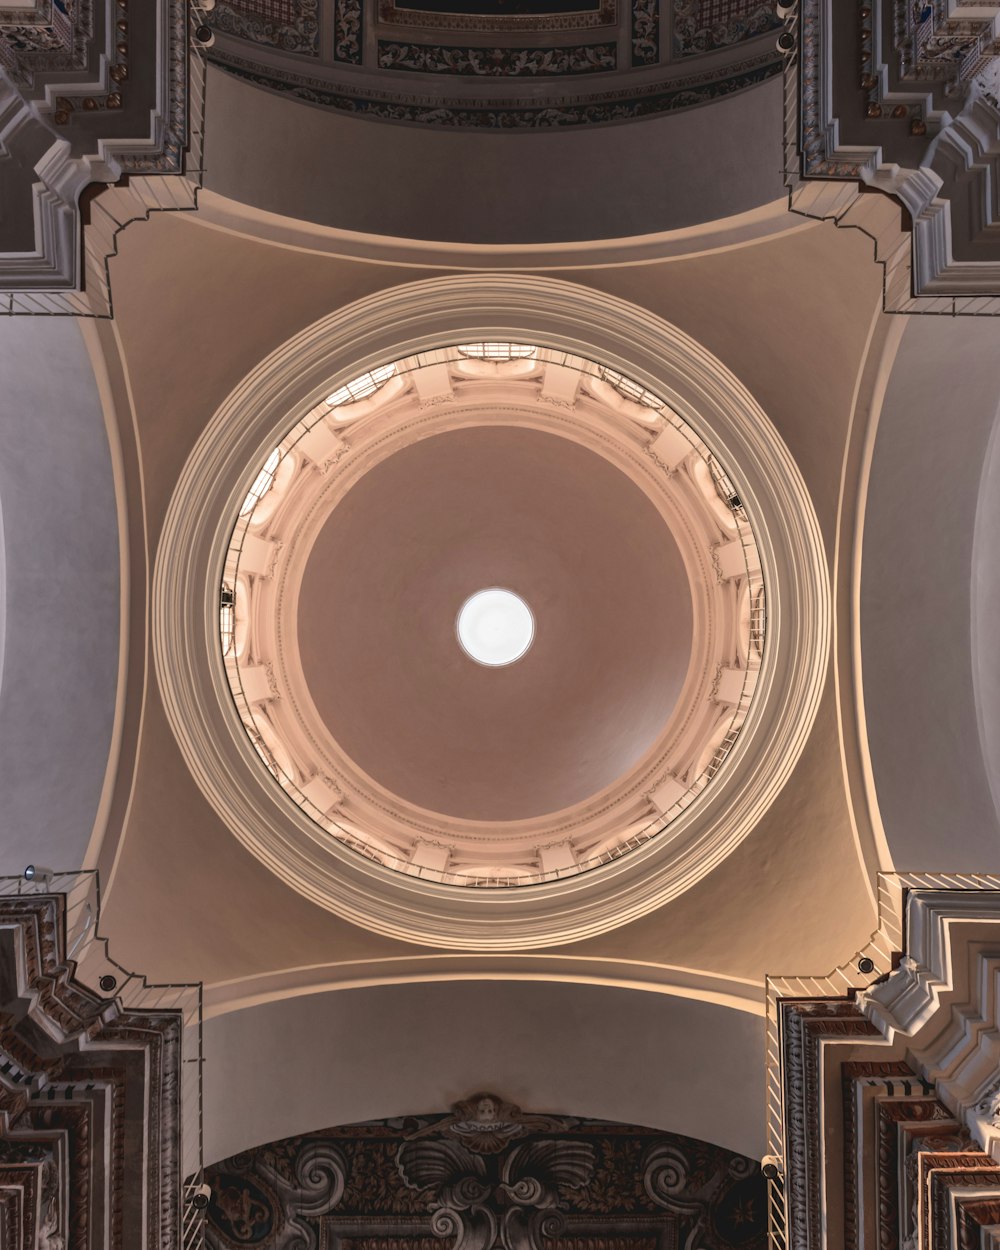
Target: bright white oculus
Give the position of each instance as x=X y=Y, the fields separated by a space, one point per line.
x=495 y=627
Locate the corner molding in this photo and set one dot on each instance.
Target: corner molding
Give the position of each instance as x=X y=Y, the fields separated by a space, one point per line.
x=52 y=101
x=109 y=1103
x=874 y=185
x=860 y=1060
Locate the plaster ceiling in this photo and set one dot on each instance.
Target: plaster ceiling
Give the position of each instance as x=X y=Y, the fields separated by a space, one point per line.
x=232 y=923
x=567 y=531
x=180 y=923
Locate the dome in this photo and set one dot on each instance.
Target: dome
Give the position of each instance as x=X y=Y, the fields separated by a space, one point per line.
x=332 y=715
x=507 y=475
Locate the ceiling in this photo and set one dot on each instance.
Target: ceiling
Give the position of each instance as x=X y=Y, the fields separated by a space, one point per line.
x=889 y=419
x=497 y=65
x=456 y=513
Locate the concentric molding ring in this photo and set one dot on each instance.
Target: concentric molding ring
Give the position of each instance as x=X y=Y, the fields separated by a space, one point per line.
x=401 y=321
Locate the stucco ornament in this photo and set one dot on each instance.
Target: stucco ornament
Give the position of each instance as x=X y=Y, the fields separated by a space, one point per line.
x=485 y=1124
x=486 y=1192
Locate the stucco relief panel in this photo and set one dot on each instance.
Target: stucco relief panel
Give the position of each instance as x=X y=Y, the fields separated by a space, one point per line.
x=288 y=25
x=488 y=1176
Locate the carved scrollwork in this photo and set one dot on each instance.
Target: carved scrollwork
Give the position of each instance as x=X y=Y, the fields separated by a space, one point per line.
x=486 y=1193
x=664 y=1174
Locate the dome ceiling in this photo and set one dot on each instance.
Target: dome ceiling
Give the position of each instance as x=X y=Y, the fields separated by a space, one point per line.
x=497 y=63
x=569 y=533
x=509 y=466
x=352 y=416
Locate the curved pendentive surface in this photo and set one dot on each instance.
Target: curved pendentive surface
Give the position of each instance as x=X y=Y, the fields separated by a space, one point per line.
x=61 y=596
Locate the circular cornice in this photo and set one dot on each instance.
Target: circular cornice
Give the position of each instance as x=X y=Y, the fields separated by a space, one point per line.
x=402 y=321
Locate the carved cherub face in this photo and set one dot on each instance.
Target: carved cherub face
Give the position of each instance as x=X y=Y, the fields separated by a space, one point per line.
x=486 y=1111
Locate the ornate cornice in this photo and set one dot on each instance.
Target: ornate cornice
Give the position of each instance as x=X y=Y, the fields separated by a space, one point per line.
x=99 y=1088
x=97 y=92
x=892 y=127
x=884 y=1117
x=397 y=323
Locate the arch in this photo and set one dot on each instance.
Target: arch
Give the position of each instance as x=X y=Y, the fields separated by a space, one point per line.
x=986 y=612
x=927 y=499
x=61 y=602
x=665 y=1062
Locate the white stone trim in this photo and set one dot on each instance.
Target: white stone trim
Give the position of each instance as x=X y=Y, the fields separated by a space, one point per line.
x=738 y=993
x=758 y=225
x=392 y=324
x=943 y=1003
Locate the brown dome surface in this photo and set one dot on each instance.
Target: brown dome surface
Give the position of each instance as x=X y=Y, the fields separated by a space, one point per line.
x=539 y=515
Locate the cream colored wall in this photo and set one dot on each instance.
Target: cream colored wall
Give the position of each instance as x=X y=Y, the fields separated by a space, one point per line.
x=917 y=577
x=59 y=597
x=986 y=613
x=614 y=1054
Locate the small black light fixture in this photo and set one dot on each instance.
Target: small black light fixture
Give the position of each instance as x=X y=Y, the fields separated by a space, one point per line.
x=866 y=965
x=770 y=1167
x=204 y=35
x=201 y=1197
x=786 y=41
x=108 y=983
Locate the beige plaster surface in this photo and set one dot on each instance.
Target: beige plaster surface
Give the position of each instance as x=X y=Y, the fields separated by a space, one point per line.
x=790 y=317
x=437 y=521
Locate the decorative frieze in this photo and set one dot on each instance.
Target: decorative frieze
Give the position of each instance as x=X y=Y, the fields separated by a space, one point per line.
x=348 y=31
x=645 y=32
x=706 y=25
x=288 y=25
x=497 y=62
